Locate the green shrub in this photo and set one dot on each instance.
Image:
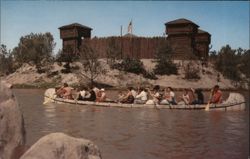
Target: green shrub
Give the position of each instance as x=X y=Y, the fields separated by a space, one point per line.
x=164 y=64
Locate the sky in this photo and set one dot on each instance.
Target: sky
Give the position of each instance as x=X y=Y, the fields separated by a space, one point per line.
x=226 y=21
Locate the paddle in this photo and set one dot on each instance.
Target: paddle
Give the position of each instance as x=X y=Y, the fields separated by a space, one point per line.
x=208 y=104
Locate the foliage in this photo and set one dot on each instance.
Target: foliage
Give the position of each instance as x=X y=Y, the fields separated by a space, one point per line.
x=191 y=71
x=227 y=63
x=244 y=65
x=134 y=65
x=163 y=59
x=113 y=51
x=92 y=66
x=131 y=65
x=35 y=48
x=6 y=61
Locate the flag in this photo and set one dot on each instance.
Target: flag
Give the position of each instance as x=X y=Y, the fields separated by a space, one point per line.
x=130 y=27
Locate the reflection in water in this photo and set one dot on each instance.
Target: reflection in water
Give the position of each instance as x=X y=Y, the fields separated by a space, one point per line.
x=140 y=133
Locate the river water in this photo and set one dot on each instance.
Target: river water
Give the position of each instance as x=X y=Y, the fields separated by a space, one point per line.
x=125 y=133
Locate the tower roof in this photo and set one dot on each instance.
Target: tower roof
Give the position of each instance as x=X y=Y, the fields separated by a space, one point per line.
x=202 y=32
x=75 y=25
x=180 y=21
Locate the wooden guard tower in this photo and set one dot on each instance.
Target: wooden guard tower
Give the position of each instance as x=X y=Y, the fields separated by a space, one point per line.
x=186 y=40
x=72 y=36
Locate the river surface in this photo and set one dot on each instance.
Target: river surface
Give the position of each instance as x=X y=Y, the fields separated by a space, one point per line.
x=125 y=133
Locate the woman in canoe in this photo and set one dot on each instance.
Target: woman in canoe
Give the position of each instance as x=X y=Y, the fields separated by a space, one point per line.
x=155 y=95
x=169 y=96
x=128 y=98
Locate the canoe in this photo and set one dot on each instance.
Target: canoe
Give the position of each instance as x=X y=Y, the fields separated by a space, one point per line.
x=235 y=101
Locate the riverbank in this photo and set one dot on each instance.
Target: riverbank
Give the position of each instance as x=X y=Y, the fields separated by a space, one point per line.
x=27 y=77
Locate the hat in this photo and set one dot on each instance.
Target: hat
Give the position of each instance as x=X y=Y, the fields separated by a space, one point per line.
x=102 y=89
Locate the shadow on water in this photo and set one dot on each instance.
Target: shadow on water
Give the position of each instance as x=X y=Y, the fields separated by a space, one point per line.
x=140 y=133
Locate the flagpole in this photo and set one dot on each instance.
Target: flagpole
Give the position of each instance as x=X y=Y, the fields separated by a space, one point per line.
x=121 y=42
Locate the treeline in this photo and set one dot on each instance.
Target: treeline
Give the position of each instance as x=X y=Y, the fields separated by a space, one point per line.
x=234 y=64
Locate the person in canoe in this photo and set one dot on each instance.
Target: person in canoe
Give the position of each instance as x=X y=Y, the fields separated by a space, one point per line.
x=142 y=97
x=155 y=95
x=127 y=98
x=185 y=98
x=169 y=96
x=101 y=97
x=216 y=95
x=65 y=92
x=199 y=97
x=91 y=96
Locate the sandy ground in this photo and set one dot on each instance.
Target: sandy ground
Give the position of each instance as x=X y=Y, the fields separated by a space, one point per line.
x=27 y=75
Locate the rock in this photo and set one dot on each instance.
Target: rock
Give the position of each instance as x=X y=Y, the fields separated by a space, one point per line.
x=62 y=146
x=12 y=132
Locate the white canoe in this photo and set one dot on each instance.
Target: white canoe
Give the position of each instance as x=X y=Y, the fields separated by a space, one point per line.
x=235 y=101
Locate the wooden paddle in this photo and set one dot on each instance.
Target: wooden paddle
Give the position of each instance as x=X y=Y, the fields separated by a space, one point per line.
x=208 y=104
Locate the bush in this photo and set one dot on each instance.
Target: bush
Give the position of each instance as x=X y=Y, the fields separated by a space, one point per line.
x=191 y=71
x=164 y=65
x=130 y=65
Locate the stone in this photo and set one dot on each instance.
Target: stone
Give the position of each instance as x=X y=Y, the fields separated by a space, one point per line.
x=62 y=146
x=12 y=132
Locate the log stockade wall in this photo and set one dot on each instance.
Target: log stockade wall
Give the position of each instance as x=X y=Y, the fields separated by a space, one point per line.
x=183 y=36
x=137 y=47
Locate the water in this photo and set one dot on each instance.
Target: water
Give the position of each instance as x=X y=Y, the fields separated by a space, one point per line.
x=125 y=133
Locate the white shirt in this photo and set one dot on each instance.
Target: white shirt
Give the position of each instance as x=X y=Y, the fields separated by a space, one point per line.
x=134 y=93
x=142 y=96
x=83 y=93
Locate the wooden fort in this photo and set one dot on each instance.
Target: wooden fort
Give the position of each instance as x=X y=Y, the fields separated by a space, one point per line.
x=184 y=36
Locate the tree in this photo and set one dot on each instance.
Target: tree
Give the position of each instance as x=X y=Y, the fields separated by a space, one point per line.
x=92 y=67
x=113 y=51
x=227 y=63
x=163 y=59
x=6 y=61
x=35 y=48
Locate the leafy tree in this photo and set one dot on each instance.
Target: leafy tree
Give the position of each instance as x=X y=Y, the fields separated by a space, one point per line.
x=6 y=61
x=92 y=66
x=227 y=63
x=35 y=48
x=164 y=65
x=245 y=64
x=113 y=51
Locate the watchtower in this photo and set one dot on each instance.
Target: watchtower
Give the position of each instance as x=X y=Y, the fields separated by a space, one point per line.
x=72 y=36
x=181 y=33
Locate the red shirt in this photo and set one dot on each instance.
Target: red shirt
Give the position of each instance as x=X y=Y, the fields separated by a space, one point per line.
x=217 y=96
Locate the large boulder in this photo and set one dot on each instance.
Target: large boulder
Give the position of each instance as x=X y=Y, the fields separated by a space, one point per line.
x=62 y=146
x=12 y=132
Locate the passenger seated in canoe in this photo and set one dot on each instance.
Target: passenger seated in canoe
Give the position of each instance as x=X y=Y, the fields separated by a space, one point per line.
x=91 y=96
x=169 y=96
x=155 y=95
x=128 y=98
x=216 y=95
x=101 y=96
x=199 y=97
x=191 y=94
x=134 y=93
x=65 y=91
x=142 y=97
x=184 y=99
x=82 y=92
